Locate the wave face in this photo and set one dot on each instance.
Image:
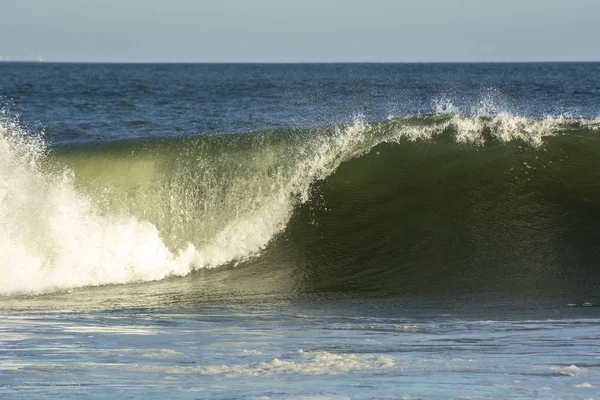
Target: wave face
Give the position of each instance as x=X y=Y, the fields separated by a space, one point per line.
x=409 y=205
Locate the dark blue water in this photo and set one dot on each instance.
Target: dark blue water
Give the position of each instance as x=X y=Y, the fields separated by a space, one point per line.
x=80 y=102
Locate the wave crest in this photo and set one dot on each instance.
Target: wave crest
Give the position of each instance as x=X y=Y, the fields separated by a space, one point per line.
x=139 y=211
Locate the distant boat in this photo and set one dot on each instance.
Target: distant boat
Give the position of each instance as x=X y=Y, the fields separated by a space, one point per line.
x=40 y=58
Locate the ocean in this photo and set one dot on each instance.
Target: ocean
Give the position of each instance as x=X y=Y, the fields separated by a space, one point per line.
x=300 y=231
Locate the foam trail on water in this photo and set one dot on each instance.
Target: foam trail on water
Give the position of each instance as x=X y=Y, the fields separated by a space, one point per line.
x=305 y=363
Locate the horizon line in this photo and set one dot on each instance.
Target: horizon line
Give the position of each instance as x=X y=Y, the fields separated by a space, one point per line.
x=33 y=61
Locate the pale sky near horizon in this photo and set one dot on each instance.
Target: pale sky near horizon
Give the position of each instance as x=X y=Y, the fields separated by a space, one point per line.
x=300 y=31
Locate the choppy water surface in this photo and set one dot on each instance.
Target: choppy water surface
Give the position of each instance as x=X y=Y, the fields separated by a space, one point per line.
x=324 y=349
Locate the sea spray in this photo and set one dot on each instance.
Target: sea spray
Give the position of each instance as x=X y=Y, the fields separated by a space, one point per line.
x=56 y=236
x=51 y=236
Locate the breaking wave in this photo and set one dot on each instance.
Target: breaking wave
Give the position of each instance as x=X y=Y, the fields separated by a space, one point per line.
x=393 y=205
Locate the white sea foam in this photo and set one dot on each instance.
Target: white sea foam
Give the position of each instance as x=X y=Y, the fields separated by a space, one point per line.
x=304 y=363
x=52 y=238
x=570 y=370
x=246 y=352
x=475 y=128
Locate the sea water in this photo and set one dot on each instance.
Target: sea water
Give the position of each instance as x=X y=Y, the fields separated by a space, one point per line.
x=339 y=231
x=311 y=349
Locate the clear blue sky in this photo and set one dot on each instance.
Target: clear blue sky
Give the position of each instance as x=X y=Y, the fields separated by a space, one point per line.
x=300 y=30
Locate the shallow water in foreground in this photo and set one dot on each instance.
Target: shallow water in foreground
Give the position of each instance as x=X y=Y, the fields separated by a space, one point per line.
x=322 y=348
x=363 y=231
